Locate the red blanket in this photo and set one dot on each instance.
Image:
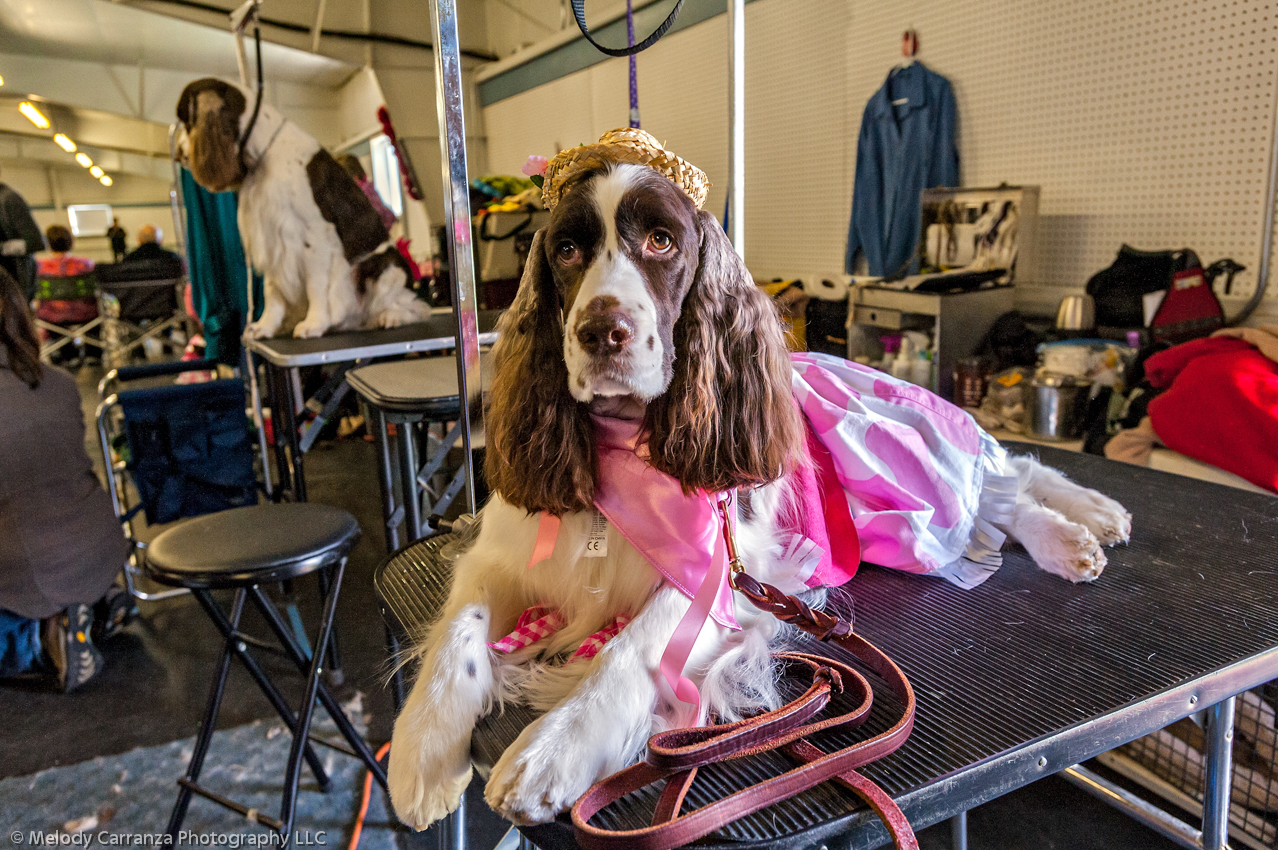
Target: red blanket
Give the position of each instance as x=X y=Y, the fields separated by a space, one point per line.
x=1221 y=406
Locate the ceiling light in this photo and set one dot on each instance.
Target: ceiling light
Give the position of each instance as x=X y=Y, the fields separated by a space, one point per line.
x=63 y=142
x=83 y=159
x=34 y=115
x=96 y=171
x=106 y=180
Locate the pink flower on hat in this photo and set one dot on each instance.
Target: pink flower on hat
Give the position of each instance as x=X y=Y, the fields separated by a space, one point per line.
x=535 y=166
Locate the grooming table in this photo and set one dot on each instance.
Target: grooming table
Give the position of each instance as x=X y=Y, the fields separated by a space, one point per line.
x=284 y=357
x=1022 y=677
x=407 y=393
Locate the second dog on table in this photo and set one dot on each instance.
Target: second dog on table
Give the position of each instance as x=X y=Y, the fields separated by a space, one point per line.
x=325 y=256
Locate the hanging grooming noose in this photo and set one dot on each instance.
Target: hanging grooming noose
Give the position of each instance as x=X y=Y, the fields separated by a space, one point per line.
x=257 y=101
x=579 y=12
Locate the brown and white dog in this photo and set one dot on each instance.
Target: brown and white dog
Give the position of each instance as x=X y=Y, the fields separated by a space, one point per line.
x=325 y=255
x=633 y=305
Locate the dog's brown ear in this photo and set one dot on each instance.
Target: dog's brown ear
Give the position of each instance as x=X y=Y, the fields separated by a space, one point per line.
x=540 y=453
x=728 y=418
x=211 y=111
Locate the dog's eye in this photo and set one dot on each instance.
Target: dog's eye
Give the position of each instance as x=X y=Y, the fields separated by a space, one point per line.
x=567 y=252
x=660 y=242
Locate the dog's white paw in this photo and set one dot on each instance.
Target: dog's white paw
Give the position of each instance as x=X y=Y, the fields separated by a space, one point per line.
x=1105 y=518
x=1068 y=550
x=423 y=787
x=309 y=329
x=534 y=782
x=260 y=330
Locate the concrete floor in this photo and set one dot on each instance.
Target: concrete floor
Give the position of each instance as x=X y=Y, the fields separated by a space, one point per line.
x=157 y=674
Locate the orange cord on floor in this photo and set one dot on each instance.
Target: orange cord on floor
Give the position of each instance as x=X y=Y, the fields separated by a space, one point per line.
x=363 y=803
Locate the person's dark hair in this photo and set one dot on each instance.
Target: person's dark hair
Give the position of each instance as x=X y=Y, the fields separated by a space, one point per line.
x=17 y=332
x=351 y=164
x=60 y=239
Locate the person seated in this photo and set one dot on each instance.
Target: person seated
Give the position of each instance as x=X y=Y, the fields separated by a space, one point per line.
x=60 y=263
x=159 y=262
x=61 y=546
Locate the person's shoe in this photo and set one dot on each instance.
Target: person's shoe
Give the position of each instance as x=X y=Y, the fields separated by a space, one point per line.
x=69 y=645
x=115 y=610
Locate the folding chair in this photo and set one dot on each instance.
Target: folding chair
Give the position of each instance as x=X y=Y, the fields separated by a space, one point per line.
x=136 y=306
x=66 y=311
x=185 y=449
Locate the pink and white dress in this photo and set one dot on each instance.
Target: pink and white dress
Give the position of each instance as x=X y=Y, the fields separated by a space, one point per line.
x=899 y=478
x=923 y=483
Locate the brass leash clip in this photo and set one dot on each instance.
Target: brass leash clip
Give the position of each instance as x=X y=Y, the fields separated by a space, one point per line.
x=734 y=560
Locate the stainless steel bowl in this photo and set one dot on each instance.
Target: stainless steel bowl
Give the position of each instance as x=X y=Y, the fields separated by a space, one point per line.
x=1058 y=404
x=1076 y=313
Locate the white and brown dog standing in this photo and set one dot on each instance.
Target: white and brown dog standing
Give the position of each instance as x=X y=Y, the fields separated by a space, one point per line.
x=633 y=306
x=325 y=255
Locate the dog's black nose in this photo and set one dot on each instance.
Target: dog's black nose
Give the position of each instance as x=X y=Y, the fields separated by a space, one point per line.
x=605 y=333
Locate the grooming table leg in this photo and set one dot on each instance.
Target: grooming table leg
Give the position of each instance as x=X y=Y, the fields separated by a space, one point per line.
x=453 y=834
x=408 y=480
x=293 y=394
x=958 y=831
x=391 y=512
x=1219 y=775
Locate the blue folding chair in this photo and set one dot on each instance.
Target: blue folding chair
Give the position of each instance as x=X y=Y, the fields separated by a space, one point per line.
x=185 y=449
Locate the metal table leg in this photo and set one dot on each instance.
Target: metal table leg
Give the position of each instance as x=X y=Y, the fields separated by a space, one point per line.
x=958 y=831
x=279 y=420
x=386 y=478
x=408 y=480
x=1219 y=774
x=453 y=834
x=293 y=395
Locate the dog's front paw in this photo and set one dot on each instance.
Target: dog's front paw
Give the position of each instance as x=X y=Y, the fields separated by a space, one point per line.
x=309 y=329
x=533 y=783
x=259 y=330
x=1105 y=518
x=423 y=789
x=1068 y=550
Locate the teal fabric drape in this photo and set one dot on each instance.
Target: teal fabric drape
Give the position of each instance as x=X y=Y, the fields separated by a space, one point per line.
x=215 y=255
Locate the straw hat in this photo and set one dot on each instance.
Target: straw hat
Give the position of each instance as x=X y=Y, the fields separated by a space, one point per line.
x=618 y=146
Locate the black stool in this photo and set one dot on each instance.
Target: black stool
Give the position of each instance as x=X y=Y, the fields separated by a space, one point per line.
x=242 y=549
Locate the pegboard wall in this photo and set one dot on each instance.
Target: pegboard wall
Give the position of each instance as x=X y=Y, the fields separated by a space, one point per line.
x=1143 y=121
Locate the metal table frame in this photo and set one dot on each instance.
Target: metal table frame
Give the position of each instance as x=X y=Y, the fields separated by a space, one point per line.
x=947 y=768
x=283 y=359
x=389 y=401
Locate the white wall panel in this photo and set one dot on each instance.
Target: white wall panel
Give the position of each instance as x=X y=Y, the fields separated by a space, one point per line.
x=1143 y=122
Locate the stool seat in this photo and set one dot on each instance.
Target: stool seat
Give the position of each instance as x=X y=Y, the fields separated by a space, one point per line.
x=253 y=545
x=424 y=388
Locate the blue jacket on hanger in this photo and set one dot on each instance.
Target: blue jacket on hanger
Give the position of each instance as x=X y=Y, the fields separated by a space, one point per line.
x=906 y=144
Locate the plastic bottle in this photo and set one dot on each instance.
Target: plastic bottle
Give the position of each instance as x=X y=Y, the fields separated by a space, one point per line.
x=901 y=366
x=921 y=370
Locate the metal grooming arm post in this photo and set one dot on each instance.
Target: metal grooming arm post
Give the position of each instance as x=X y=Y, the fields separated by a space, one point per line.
x=736 y=125
x=461 y=257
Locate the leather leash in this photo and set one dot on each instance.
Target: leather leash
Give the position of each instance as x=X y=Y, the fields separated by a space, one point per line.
x=675 y=756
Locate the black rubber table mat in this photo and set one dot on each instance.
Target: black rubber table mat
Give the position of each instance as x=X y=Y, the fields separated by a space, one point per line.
x=335 y=347
x=1016 y=679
